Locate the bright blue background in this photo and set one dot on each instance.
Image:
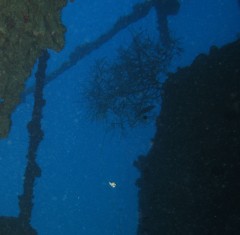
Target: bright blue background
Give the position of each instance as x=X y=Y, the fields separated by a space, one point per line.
x=78 y=158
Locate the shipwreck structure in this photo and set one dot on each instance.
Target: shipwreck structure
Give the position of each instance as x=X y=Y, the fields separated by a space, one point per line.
x=26 y=28
x=189 y=180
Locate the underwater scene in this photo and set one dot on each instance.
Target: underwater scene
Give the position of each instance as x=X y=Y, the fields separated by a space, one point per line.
x=120 y=117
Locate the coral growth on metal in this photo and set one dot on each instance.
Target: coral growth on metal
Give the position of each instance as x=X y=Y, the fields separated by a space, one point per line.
x=26 y=27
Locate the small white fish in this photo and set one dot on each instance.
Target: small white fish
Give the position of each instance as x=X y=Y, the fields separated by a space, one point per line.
x=112 y=184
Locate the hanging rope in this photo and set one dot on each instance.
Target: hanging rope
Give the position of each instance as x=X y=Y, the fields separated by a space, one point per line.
x=35 y=137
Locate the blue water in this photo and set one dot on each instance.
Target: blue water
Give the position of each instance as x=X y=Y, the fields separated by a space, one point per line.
x=78 y=158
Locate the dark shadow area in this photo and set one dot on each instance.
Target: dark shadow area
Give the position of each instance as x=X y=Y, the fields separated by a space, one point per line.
x=189 y=180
